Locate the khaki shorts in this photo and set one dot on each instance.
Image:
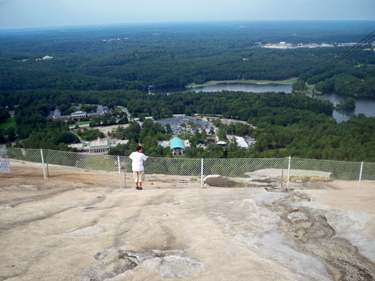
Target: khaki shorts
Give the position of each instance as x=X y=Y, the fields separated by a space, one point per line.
x=138 y=176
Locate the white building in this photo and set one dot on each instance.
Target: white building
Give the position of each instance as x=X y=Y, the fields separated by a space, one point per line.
x=78 y=146
x=241 y=142
x=97 y=146
x=78 y=115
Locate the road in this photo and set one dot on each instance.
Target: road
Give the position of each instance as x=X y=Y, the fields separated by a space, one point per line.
x=81 y=140
x=123 y=108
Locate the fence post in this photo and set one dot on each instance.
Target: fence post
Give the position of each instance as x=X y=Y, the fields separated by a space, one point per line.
x=202 y=173
x=282 y=175
x=119 y=170
x=290 y=159
x=360 y=176
x=125 y=174
x=44 y=169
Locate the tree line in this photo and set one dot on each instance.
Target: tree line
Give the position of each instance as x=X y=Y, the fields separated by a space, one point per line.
x=177 y=55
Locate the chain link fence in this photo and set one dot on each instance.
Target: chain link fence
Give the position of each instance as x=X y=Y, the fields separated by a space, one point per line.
x=175 y=172
x=101 y=169
x=97 y=169
x=244 y=172
x=18 y=159
x=172 y=172
x=333 y=170
x=368 y=172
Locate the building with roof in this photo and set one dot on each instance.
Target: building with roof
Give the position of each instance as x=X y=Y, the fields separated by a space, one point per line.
x=117 y=142
x=78 y=115
x=57 y=115
x=97 y=146
x=79 y=146
x=222 y=143
x=100 y=111
x=241 y=142
x=177 y=145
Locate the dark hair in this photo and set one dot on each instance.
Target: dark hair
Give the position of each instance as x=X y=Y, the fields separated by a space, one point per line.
x=138 y=148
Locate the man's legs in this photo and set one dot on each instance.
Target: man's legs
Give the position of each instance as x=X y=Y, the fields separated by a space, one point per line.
x=136 y=179
x=138 y=175
x=140 y=179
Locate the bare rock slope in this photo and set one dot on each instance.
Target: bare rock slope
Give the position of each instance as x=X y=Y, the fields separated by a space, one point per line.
x=61 y=230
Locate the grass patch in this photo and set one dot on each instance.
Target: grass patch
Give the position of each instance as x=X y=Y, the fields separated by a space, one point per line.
x=239 y=184
x=82 y=123
x=306 y=179
x=259 y=82
x=119 y=110
x=97 y=163
x=310 y=88
x=10 y=122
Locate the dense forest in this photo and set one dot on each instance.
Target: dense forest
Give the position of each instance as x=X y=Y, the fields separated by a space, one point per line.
x=136 y=56
x=116 y=65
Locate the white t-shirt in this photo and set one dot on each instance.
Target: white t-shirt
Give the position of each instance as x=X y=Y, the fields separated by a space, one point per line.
x=137 y=163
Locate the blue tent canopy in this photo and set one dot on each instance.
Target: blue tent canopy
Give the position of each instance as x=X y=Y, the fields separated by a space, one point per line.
x=176 y=143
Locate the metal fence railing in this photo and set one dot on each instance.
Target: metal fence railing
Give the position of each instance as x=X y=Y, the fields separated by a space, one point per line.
x=239 y=172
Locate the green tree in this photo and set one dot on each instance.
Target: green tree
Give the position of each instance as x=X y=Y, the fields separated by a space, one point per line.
x=212 y=131
x=168 y=128
x=11 y=132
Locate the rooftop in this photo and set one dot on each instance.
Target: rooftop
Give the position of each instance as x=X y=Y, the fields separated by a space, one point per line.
x=176 y=143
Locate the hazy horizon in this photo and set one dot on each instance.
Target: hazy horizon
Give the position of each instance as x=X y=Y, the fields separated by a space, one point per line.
x=134 y=24
x=24 y=14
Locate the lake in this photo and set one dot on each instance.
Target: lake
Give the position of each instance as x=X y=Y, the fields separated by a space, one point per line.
x=231 y=87
x=363 y=105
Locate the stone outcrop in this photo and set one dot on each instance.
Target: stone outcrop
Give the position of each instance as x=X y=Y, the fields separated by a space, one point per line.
x=260 y=179
x=221 y=181
x=276 y=174
x=273 y=175
x=265 y=177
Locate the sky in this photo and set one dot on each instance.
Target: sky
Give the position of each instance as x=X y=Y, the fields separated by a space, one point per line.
x=53 y=13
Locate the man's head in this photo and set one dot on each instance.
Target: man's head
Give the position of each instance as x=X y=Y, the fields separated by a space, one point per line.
x=138 y=148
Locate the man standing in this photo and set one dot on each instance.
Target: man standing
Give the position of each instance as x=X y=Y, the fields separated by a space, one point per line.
x=137 y=158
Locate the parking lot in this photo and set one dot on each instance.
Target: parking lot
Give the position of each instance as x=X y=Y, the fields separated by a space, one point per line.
x=176 y=122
